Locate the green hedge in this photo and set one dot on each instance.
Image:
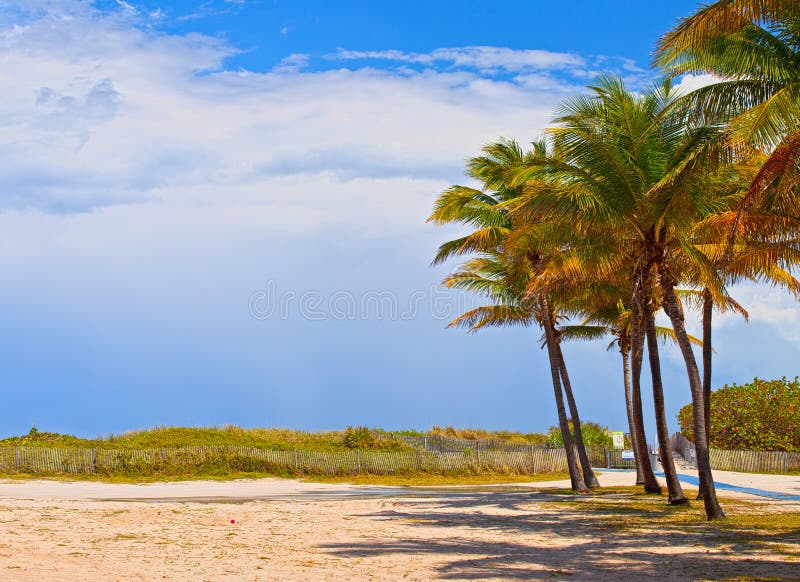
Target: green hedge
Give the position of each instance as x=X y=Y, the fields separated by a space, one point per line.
x=763 y=415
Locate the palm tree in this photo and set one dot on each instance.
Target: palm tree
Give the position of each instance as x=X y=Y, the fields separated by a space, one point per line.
x=574 y=286
x=756 y=259
x=753 y=47
x=605 y=316
x=631 y=166
x=491 y=275
x=503 y=280
x=613 y=262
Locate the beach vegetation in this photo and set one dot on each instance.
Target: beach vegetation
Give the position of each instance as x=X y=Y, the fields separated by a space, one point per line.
x=762 y=415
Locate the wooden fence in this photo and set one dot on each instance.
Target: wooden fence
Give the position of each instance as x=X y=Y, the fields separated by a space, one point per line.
x=598 y=455
x=740 y=461
x=755 y=461
x=187 y=460
x=523 y=460
x=452 y=444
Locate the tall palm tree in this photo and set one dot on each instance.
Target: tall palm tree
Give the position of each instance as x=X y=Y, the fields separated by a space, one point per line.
x=753 y=47
x=757 y=259
x=614 y=263
x=571 y=252
x=629 y=165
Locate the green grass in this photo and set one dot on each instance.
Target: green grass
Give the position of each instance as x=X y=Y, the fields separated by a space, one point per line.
x=479 y=433
x=264 y=438
x=167 y=437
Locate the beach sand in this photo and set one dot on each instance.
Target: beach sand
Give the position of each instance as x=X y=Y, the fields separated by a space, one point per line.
x=273 y=529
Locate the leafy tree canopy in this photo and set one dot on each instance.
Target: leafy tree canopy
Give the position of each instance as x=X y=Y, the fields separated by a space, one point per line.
x=763 y=415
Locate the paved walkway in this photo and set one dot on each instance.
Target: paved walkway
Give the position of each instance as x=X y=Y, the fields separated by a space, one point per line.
x=761 y=484
x=783 y=487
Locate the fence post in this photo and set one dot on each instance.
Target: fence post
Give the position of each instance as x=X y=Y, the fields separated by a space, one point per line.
x=419 y=461
x=296 y=459
x=608 y=458
x=17 y=460
x=533 y=460
x=358 y=459
x=94 y=461
x=425 y=443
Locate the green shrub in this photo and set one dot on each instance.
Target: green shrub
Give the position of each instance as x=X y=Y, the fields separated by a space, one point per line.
x=763 y=415
x=593 y=434
x=359 y=437
x=37 y=438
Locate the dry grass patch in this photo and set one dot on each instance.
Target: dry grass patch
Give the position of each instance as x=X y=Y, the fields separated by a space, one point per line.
x=629 y=508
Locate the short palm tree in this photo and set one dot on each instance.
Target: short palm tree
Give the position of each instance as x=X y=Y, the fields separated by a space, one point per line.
x=606 y=313
x=489 y=274
x=503 y=280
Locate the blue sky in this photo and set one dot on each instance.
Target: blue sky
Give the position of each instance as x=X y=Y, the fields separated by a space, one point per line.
x=266 y=31
x=214 y=212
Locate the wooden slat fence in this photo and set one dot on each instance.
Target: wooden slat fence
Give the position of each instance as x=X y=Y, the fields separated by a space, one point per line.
x=456 y=445
x=184 y=460
x=740 y=461
x=524 y=460
x=597 y=454
x=755 y=461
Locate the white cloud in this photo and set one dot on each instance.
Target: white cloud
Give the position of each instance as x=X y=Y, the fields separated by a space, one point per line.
x=292 y=63
x=772 y=307
x=127 y=7
x=481 y=58
x=99 y=111
x=689 y=83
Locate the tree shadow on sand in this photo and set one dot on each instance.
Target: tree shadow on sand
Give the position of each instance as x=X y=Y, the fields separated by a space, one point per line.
x=554 y=537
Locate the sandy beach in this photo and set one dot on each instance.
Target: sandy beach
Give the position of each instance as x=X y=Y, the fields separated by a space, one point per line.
x=273 y=529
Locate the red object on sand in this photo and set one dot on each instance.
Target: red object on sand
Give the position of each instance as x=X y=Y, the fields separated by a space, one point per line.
x=233 y=521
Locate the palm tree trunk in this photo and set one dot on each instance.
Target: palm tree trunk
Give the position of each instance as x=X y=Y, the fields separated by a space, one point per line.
x=575 y=478
x=625 y=350
x=675 y=313
x=637 y=345
x=586 y=465
x=708 y=310
x=675 y=491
